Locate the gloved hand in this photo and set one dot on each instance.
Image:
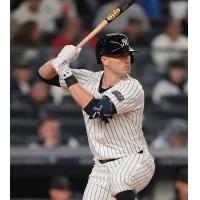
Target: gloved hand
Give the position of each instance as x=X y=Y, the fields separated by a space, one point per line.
x=66 y=78
x=67 y=55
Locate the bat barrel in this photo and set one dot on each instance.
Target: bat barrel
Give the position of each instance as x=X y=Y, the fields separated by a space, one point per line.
x=113 y=15
x=119 y=10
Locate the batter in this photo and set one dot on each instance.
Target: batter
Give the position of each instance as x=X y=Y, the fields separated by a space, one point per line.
x=112 y=103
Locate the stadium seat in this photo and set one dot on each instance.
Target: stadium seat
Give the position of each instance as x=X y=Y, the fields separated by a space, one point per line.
x=156 y=118
x=23 y=127
x=61 y=111
x=74 y=128
x=175 y=102
x=21 y=111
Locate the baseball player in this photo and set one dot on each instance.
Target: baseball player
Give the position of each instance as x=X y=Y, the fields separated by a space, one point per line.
x=112 y=104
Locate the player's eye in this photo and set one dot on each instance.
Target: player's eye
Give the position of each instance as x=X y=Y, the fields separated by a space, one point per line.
x=119 y=56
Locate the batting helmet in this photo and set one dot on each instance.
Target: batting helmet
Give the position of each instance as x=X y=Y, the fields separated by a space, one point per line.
x=113 y=43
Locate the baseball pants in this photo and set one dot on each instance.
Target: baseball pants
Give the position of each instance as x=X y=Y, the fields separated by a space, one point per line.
x=133 y=172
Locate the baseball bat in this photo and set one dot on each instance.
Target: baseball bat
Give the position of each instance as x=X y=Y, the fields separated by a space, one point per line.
x=111 y=16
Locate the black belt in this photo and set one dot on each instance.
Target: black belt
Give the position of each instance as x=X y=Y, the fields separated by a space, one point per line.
x=140 y=151
x=105 y=161
x=109 y=160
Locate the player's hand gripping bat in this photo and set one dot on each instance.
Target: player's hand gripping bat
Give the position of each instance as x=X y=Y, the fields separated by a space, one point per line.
x=112 y=16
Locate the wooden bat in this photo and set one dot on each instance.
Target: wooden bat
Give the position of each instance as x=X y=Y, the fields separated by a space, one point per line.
x=112 y=16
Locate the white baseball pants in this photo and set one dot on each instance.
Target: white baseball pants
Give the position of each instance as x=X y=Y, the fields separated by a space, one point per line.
x=128 y=173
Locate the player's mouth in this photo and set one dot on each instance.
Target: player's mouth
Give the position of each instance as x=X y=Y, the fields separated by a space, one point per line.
x=127 y=67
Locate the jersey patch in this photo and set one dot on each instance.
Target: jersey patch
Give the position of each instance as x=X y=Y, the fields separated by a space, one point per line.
x=118 y=95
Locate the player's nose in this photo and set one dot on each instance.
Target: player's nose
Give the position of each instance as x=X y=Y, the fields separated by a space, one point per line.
x=127 y=58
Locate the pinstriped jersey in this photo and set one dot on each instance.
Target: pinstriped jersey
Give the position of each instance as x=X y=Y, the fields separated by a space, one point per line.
x=123 y=135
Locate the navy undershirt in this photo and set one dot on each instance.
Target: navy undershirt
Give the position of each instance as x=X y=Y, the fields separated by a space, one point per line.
x=101 y=90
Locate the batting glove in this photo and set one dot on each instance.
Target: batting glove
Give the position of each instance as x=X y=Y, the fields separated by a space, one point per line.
x=67 y=55
x=64 y=72
x=66 y=77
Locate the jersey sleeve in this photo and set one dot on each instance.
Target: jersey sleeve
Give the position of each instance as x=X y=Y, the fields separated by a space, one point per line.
x=81 y=75
x=127 y=96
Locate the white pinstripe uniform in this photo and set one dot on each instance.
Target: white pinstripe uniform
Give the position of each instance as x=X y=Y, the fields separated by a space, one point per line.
x=121 y=138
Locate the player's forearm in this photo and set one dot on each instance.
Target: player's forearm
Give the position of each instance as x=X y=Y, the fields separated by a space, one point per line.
x=80 y=95
x=47 y=71
x=95 y=108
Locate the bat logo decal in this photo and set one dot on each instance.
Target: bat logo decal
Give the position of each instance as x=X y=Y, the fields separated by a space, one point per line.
x=115 y=13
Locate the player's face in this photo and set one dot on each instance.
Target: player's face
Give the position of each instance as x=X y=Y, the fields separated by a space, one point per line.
x=119 y=63
x=56 y=194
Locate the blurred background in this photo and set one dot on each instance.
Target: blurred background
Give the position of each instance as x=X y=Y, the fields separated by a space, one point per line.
x=50 y=158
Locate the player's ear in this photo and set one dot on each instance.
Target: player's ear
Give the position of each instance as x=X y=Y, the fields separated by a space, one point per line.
x=104 y=60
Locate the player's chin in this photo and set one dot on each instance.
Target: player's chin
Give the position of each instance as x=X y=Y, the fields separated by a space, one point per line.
x=126 y=70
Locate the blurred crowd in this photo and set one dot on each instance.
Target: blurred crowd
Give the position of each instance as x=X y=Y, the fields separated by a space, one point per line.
x=46 y=116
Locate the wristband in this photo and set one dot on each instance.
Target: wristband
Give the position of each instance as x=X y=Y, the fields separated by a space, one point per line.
x=71 y=80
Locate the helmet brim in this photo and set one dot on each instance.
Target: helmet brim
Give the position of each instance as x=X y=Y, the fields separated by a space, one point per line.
x=133 y=50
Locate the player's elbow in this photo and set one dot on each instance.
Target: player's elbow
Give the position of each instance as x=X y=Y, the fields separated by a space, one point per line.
x=46 y=71
x=41 y=76
x=47 y=79
x=100 y=108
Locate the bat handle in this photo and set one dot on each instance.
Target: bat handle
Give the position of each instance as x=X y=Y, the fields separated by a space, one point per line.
x=92 y=34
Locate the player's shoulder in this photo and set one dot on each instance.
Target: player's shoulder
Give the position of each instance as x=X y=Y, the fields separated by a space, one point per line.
x=97 y=75
x=128 y=80
x=86 y=71
x=87 y=75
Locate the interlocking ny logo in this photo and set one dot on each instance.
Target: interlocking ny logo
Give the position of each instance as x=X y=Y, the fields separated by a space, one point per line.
x=97 y=112
x=123 y=43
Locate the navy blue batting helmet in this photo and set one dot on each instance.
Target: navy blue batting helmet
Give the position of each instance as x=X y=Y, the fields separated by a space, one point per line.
x=113 y=43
